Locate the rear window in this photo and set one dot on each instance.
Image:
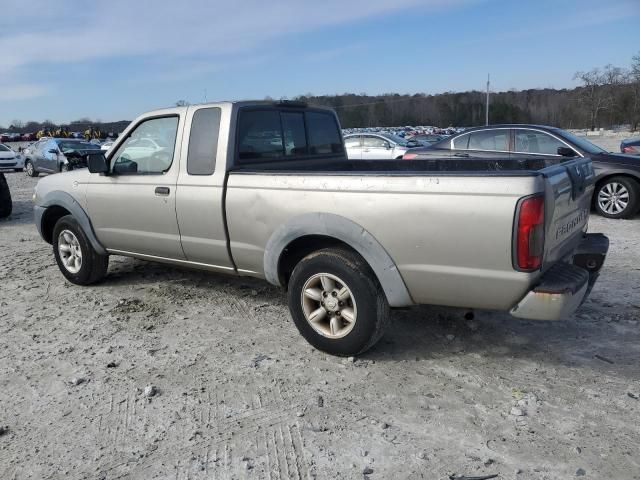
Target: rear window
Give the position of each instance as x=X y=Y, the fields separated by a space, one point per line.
x=324 y=136
x=266 y=134
x=203 y=141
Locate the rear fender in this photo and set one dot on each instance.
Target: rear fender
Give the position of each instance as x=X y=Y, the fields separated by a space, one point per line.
x=348 y=232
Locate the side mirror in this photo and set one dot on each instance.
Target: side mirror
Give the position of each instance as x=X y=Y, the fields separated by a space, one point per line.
x=566 y=152
x=97 y=163
x=388 y=146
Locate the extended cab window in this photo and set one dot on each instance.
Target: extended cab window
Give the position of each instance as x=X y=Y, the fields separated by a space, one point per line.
x=267 y=134
x=530 y=141
x=203 y=141
x=497 y=140
x=148 y=149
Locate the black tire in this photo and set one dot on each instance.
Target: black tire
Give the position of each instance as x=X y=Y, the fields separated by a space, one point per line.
x=65 y=167
x=372 y=309
x=617 y=184
x=6 y=205
x=29 y=169
x=93 y=266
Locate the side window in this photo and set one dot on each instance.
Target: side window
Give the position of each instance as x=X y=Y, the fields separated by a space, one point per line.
x=148 y=149
x=324 y=136
x=352 y=142
x=375 y=142
x=461 y=143
x=260 y=135
x=295 y=139
x=530 y=141
x=497 y=140
x=203 y=141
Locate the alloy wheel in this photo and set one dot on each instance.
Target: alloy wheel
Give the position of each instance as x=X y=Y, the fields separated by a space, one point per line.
x=70 y=251
x=329 y=305
x=613 y=198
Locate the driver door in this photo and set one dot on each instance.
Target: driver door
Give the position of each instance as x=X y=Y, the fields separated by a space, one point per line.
x=133 y=209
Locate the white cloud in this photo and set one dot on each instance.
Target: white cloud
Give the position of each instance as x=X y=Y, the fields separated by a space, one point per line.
x=84 y=31
x=23 y=91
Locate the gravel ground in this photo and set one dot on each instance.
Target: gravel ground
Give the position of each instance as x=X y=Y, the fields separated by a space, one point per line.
x=167 y=373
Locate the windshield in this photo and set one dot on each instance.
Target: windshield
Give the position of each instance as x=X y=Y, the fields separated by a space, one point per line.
x=64 y=146
x=582 y=143
x=395 y=139
x=4 y=148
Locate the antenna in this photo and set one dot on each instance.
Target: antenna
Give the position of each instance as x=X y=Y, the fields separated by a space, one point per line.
x=486 y=113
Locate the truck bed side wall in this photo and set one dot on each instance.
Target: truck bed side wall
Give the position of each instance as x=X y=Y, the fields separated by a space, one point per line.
x=449 y=236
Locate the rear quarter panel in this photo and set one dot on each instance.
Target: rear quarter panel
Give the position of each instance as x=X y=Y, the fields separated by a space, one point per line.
x=449 y=236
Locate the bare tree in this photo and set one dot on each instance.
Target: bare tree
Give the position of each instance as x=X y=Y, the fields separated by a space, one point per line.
x=593 y=95
x=182 y=103
x=633 y=80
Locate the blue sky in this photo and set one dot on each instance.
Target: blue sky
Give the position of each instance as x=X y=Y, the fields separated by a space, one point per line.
x=112 y=60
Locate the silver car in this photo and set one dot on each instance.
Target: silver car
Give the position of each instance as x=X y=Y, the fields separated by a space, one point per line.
x=53 y=155
x=375 y=146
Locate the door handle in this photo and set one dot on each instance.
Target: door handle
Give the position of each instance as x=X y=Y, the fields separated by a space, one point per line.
x=461 y=155
x=162 y=191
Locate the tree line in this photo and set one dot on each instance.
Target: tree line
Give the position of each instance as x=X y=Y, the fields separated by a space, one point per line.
x=606 y=97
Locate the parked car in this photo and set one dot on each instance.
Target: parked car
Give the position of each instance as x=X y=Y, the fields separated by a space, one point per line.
x=28 y=137
x=5 y=137
x=347 y=239
x=6 y=206
x=53 y=155
x=631 y=146
x=375 y=146
x=425 y=139
x=106 y=145
x=10 y=159
x=617 y=188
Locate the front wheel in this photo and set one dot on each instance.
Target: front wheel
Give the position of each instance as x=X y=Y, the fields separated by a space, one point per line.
x=617 y=197
x=29 y=169
x=337 y=303
x=77 y=259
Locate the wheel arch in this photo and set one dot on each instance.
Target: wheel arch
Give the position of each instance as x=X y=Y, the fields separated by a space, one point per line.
x=302 y=235
x=57 y=204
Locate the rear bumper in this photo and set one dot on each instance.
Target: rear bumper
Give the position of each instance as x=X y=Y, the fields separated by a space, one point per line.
x=564 y=287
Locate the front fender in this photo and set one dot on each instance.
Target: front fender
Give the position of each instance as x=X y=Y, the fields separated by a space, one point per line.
x=346 y=231
x=66 y=201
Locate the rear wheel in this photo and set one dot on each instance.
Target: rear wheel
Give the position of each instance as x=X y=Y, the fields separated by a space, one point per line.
x=29 y=169
x=76 y=258
x=337 y=303
x=617 y=197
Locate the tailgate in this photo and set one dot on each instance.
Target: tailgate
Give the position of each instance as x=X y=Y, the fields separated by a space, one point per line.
x=568 y=190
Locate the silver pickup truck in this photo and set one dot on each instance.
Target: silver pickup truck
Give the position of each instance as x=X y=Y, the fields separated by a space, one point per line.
x=265 y=190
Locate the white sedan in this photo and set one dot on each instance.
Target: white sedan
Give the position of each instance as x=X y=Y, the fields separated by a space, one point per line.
x=10 y=159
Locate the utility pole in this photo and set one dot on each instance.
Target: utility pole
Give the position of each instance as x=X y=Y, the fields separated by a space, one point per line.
x=486 y=116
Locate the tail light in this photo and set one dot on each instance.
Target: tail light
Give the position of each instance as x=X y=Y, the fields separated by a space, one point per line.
x=409 y=156
x=530 y=233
